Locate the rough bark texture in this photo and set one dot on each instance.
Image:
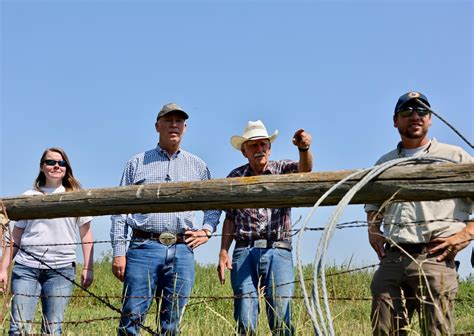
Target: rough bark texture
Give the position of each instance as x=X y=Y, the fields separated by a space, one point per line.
x=416 y=183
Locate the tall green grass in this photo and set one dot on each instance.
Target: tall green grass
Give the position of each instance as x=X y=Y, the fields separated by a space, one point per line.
x=210 y=311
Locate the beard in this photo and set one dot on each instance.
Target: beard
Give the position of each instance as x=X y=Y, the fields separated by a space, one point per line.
x=410 y=134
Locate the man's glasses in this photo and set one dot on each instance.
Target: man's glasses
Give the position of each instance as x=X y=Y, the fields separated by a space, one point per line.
x=61 y=163
x=407 y=111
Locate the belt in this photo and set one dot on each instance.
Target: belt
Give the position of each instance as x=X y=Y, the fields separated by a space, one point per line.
x=263 y=243
x=412 y=249
x=166 y=238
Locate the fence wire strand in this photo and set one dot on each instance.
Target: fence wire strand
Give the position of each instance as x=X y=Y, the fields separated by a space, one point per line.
x=294 y=232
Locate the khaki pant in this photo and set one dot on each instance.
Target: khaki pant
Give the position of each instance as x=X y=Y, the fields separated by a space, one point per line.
x=399 y=289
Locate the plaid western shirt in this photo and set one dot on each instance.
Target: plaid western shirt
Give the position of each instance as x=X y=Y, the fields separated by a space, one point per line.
x=156 y=166
x=263 y=223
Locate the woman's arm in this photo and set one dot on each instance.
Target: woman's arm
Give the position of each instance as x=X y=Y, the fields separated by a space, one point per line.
x=10 y=253
x=87 y=239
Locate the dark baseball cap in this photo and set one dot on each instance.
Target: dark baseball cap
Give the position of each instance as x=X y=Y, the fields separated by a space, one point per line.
x=408 y=97
x=171 y=107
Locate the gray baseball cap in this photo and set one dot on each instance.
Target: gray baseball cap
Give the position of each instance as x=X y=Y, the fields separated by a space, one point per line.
x=171 y=107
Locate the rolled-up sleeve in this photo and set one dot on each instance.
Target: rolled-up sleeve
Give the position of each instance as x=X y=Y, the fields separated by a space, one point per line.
x=211 y=220
x=371 y=207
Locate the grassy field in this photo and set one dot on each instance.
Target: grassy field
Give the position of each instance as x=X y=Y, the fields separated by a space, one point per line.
x=210 y=316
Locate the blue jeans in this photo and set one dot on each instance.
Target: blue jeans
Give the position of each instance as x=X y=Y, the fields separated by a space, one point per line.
x=27 y=285
x=274 y=268
x=154 y=269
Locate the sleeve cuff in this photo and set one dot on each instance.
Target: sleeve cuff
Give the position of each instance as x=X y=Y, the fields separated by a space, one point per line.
x=208 y=227
x=371 y=207
x=119 y=250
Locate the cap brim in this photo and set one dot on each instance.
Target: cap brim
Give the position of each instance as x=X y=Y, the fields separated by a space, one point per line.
x=417 y=100
x=186 y=116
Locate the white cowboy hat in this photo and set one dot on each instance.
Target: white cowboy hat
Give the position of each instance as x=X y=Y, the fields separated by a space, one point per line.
x=255 y=130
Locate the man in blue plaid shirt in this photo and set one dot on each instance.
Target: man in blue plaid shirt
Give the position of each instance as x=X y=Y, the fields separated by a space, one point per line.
x=262 y=254
x=160 y=259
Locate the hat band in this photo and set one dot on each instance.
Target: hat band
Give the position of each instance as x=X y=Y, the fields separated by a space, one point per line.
x=259 y=137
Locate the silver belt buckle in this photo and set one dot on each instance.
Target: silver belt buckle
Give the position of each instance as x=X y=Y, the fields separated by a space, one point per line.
x=167 y=238
x=261 y=243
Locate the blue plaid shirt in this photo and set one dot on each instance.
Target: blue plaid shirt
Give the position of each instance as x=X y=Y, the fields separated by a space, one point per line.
x=156 y=166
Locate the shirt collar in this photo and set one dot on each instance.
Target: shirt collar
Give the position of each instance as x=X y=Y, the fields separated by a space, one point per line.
x=425 y=151
x=249 y=172
x=59 y=189
x=163 y=152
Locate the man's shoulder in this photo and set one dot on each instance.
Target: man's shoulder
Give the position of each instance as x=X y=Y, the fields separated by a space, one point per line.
x=143 y=154
x=447 y=147
x=393 y=154
x=139 y=159
x=192 y=157
x=450 y=152
x=239 y=171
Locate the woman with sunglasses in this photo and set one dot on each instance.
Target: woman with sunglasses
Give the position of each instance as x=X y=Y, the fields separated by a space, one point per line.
x=45 y=254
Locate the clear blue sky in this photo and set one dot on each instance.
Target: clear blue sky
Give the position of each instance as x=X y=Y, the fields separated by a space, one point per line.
x=90 y=76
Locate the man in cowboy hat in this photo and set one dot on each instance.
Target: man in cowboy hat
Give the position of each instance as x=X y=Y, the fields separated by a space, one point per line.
x=419 y=239
x=262 y=254
x=159 y=261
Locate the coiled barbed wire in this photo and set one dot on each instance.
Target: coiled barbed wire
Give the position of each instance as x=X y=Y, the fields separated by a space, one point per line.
x=323 y=324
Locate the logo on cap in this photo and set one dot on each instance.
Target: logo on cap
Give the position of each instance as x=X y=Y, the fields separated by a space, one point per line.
x=413 y=94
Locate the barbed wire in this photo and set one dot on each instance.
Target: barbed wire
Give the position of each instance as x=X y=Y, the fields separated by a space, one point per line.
x=293 y=232
x=227 y=297
x=233 y=297
x=98 y=319
x=244 y=295
x=205 y=299
x=181 y=296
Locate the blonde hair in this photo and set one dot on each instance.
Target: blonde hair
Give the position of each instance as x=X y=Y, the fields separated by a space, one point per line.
x=69 y=182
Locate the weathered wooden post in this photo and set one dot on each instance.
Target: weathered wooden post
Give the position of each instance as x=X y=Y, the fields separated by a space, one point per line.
x=415 y=183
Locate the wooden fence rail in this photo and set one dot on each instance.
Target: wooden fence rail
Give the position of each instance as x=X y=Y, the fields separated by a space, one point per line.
x=415 y=182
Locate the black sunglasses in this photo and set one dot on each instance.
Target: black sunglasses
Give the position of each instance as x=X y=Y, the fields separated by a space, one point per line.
x=61 y=163
x=407 y=111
